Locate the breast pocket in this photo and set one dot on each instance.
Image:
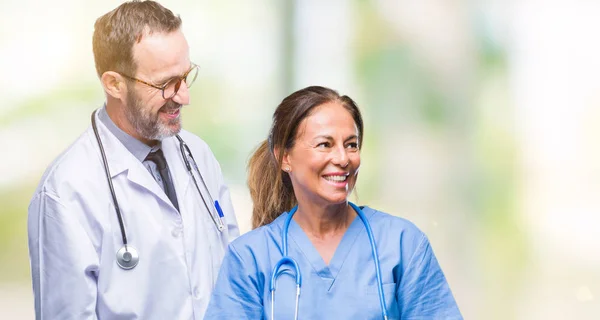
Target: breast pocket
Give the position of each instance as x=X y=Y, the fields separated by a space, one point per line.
x=389 y=292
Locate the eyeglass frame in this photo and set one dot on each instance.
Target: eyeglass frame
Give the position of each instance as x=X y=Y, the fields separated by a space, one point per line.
x=177 y=84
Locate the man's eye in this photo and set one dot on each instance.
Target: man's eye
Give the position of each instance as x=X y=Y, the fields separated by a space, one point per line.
x=170 y=83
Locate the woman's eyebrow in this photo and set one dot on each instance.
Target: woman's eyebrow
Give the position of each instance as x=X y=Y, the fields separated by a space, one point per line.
x=328 y=137
x=351 y=137
x=321 y=137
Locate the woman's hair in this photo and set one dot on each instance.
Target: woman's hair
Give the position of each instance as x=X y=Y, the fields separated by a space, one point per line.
x=116 y=32
x=270 y=187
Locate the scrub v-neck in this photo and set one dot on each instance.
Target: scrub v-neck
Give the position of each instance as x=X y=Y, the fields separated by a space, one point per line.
x=328 y=273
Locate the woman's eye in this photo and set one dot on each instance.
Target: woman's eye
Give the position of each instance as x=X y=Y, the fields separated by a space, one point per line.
x=323 y=145
x=352 y=145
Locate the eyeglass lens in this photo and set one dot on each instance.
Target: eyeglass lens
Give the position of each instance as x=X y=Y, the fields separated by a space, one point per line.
x=173 y=86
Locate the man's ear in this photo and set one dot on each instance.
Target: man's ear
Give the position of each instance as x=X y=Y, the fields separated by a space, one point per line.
x=114 y=84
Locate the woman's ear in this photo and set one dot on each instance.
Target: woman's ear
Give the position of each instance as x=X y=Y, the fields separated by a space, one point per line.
x=285 y=159
x=286 y=164
x=114 y=84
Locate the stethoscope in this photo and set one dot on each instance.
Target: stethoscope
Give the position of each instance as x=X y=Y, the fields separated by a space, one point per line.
x=291 y=262
x=127 y=256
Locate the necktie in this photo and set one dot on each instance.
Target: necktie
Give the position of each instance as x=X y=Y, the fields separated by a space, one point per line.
x=161 y=164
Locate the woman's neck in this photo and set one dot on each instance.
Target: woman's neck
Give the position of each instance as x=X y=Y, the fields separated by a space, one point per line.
x=324 y=225
x=324 y=221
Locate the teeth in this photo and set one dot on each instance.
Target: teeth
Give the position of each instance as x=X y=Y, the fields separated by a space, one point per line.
x=336 y=178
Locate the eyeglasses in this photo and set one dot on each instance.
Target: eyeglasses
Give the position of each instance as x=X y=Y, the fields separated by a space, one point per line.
x=170 y=89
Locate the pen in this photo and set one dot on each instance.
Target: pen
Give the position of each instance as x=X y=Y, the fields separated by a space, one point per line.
x=219 y=210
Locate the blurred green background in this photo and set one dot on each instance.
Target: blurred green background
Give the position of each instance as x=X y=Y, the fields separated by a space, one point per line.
x=482 y=125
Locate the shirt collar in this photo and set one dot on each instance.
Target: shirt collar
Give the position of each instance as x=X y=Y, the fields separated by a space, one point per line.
x=139 y=149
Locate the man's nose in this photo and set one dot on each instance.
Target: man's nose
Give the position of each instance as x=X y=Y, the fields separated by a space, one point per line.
x=183 y=95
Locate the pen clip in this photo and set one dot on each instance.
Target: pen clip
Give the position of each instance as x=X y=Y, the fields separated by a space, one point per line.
x=221 y=225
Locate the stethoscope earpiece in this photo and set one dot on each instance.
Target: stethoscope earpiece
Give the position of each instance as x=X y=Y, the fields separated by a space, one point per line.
x=127 y=257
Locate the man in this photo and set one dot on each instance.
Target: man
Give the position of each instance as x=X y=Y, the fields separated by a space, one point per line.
x=151 y=248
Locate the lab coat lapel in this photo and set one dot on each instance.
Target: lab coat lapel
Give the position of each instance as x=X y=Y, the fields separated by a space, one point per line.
x=116 y=154
x=121 y=161
x=139 y=175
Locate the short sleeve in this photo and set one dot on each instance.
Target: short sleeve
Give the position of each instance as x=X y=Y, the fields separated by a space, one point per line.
x=236 y=294
x=423 y=292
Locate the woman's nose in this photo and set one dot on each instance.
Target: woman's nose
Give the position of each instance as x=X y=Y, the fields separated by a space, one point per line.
x=341 y=157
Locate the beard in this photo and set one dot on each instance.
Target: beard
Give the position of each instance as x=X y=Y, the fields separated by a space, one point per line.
x=150 y=125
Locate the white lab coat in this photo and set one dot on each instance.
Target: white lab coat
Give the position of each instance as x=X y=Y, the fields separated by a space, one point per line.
x=74 y=234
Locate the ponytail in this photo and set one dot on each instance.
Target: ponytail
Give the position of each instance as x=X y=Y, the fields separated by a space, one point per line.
x=270 y=188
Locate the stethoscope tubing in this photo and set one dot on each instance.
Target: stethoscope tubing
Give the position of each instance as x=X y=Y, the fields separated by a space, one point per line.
x=287 y=260
x=127 y=256
x=109 y=179
x=215 y=219
x=375 y=258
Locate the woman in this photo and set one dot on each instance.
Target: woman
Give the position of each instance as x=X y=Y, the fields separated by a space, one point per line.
x=300 y=178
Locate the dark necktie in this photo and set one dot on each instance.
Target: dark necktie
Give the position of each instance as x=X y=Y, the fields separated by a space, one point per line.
x=161 y=164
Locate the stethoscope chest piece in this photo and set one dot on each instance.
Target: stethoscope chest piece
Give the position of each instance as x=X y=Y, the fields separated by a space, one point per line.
x=127 y=257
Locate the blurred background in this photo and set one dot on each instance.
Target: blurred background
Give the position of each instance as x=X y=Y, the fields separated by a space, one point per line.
x=482 y=125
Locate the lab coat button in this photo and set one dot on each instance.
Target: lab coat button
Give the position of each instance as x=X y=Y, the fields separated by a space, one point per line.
x=176 y=232
x=196 y=293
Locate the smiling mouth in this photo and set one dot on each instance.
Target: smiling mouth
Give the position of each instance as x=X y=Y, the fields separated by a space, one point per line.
x=172 y=111
x=336 y=178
